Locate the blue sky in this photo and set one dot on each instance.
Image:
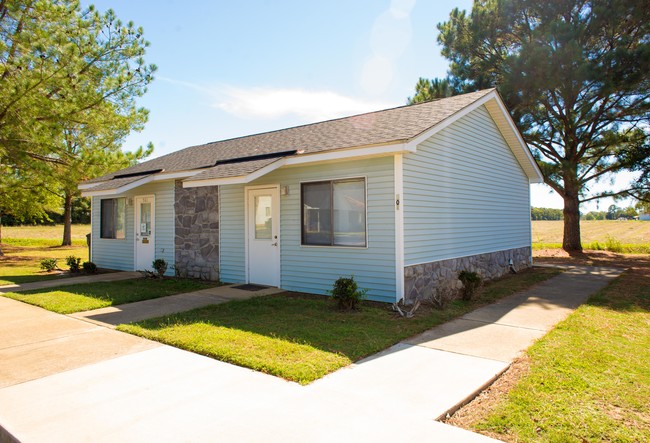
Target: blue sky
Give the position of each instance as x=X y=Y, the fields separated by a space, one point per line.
x=234 y=68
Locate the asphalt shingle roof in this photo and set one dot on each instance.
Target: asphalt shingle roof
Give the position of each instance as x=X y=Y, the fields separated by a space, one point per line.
x=390 y=125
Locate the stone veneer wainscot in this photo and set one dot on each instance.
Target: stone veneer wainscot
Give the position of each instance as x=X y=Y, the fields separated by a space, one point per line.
x=423 y=280
x=196 y=240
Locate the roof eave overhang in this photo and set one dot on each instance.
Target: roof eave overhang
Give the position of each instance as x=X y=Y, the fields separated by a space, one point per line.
x=506 y=126
x=87 y=188
x=301 y=159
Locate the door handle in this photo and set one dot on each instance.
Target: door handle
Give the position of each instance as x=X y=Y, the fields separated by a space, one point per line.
x=274 y=244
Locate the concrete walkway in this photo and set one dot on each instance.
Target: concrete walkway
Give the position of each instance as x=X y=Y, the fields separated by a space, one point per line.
x=134 y=390
x=67 y=281
x=157 y=307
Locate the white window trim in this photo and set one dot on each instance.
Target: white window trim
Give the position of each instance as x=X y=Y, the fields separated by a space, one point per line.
x=365 y=191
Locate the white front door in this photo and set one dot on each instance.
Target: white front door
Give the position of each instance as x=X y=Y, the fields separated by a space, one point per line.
x=145 y=244
x=263 y=226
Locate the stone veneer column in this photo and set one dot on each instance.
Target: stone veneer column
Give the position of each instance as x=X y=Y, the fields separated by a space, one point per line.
x=196 y=228
x=423 y=281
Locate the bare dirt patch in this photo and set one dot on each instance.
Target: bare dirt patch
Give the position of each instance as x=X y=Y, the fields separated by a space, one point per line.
x=592 y=258
x=479 y=408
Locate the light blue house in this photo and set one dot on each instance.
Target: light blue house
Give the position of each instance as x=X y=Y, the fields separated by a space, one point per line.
x=403 y=199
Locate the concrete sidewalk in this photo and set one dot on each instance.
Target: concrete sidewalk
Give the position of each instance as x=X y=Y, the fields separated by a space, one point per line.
x=67 y=281
x=165 y=394
x=157 y=307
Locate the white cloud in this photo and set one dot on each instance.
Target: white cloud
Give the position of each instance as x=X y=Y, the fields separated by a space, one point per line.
x=309 y=106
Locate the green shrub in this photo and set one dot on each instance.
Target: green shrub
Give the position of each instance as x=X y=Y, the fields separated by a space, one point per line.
x=48 y=264
x=613 y=245
x=471 y=282
x=90 y=267
x=74 y=263
x=160 y=266
x=347 y=294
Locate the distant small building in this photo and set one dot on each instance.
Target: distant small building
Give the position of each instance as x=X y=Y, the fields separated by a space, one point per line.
x=645 y=217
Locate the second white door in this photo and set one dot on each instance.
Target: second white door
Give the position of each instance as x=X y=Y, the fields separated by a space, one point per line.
x=263 y=226
x=145 y=242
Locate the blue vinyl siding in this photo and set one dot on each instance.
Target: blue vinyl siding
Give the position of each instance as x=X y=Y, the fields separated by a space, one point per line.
x=232 y=266
x=314 y=269
x=464 y=194
x=119 y=253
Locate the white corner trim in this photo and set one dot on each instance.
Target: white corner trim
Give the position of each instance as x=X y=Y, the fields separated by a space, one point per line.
x=398 y=178
x=118 y=190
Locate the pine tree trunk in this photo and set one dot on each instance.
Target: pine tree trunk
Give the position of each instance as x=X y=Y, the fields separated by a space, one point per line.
x=571 y=240
x=1 y=253
x=67 y=220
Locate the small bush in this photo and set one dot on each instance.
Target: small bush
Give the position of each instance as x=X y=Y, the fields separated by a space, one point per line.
x=471 y=282
x=49 y=264
x=613 y=245
x=90 y=267
x=74 y=263
x=160 y=266
x=347 y=294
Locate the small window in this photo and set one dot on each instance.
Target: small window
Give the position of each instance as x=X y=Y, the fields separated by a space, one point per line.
x=334 y=213
x=113 y=218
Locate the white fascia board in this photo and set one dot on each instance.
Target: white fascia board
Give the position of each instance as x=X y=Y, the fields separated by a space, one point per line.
x=301 y=159
x=174 y=175
x=120 y=190
x=82 y=186
x=412 y=145
x=240 y=179
x=539 y=178
x=368 y=151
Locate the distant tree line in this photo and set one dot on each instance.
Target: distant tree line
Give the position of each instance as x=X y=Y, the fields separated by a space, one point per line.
x=80 y=214
x=545 y=214
x=612 y=213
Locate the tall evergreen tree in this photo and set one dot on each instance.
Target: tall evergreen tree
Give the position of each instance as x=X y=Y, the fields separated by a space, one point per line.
x=574 y=74
x=65 y=72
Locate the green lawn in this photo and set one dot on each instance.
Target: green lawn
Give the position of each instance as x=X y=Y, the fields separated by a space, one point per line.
x=25 y=246
x=589 y=379
x=301 y=337
x=21 y=264
x=87 y=296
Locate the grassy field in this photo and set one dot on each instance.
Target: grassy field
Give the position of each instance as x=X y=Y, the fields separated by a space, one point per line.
x=25 y=246
x=625 y=231
x=588 y=379
x=301 y=337
x=42 y=235
x=612 y=235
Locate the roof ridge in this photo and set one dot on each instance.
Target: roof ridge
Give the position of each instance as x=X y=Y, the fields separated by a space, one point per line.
x=330 y=120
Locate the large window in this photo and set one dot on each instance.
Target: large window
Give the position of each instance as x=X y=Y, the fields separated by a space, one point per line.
x=113 y=218
x=334 y=213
